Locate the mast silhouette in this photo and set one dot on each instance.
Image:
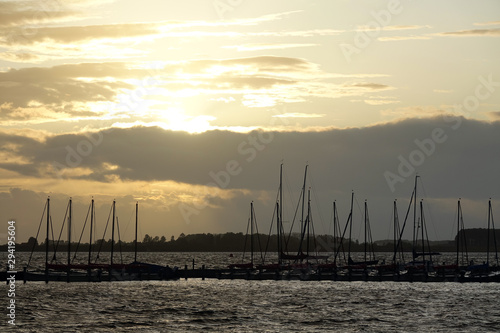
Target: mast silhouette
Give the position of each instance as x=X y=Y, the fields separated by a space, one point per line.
x=91 y=229
x=303 y=200
x=251 y=232
x=135 y=240
x=491 y=224
x=415 y=230
x=279 y=221
x=350 y=229
x=113 y=233
x=366 y=231
x=47 y=243
x=461 y=243
x=92 y=215
x=69 y=235
x=396 y=227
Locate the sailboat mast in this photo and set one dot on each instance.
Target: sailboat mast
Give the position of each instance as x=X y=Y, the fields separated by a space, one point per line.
x=251 y=232
x=458 y=230
x=395 y=230
x=488 y=234
x=279 y=208
x=308 y=218
x=91 y=226
x=113 y=233
x=350 y=227
x=335 y=225
x=136 y=220
x=303 y=200
x=47 y=243
x=422 y=231
x=464 y=238
x=366 y=212
x=69 y=234
x=494 y=233
x=415 y=235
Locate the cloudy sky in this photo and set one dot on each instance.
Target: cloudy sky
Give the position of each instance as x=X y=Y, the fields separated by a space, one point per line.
x=190 y=107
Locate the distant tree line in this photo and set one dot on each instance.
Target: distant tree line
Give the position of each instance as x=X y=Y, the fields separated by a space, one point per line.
x=476 y=240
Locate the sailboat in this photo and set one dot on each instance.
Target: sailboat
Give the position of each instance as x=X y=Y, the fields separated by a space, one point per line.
x=486 y=272
x=288 y=262
x=332 y=266
x=421 y=268
x=458 y=268
x=92 y=271
x=250 y=226
x=370 y=260
x=306 y=228
x=392 y=269
x=276 y=267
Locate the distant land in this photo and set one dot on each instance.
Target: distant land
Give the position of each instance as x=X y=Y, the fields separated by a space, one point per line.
x=476 y=240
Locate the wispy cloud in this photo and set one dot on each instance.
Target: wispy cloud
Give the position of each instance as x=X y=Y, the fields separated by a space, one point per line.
x=400 y=38
x=472 y=33
x=20 y=57
x=405 y=27
x=494 y=115
x=16 y=13
x=443 y=91
x=380 y=101
x=299 y=33
x=299 y=115
x=87 y=90
x=393 y=27
x=487 y=23
x=80 y=34
x=370 y=86
x=357 y=75
x=264 y=46
x=30 y=33
x=413 y=112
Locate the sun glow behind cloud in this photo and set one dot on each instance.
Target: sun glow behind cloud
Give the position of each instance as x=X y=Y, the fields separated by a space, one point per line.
x=206 y=87
x=172 y=118
x=154 y=92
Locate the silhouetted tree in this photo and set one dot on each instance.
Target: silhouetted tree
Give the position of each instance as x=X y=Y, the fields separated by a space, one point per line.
x=32 y=242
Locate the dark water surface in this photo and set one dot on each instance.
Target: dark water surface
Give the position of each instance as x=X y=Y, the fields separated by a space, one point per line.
x=257 y=306
x=254 y=306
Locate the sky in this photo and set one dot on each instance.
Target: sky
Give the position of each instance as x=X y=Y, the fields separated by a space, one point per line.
x=190 y=107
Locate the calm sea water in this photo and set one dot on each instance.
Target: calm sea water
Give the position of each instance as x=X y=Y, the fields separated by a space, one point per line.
x=253 y=306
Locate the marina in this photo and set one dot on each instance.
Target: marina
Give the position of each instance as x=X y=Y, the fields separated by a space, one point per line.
x=304 y=264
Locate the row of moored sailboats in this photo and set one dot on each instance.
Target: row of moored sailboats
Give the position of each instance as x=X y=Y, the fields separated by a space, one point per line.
x=415 y=264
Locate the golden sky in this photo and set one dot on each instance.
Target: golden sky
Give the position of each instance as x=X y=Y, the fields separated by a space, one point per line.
x=151 y=101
